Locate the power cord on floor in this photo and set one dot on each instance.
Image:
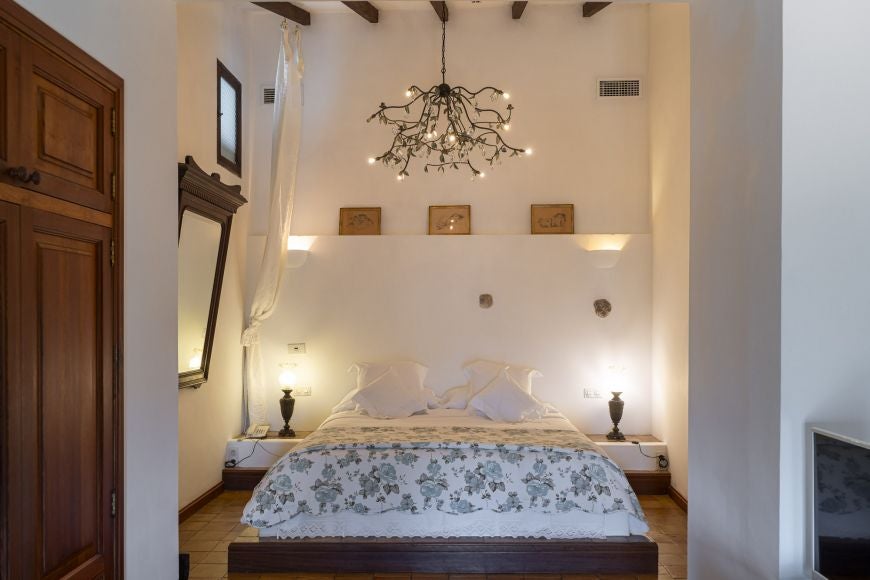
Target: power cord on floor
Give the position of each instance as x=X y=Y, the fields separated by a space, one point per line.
x=234 y=463
x=662 y=459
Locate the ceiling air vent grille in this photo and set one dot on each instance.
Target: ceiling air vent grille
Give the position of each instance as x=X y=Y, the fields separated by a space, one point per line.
x=268 y=95
x=619 y=88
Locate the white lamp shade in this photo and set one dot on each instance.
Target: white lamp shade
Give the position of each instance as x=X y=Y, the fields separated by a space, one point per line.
x=605 y=259
x=287 y=379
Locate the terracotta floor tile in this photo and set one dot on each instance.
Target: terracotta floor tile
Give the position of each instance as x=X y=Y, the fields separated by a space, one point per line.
x=215 y=535
x=215 y=558
x=208 y=571
x=672 y=548
x=198 y=546
x=192 y=525
x=672 y=559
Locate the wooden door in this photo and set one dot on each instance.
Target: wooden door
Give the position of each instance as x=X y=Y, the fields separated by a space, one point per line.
x=9 y=373
x=68 y=121
x=60 y=308
x=66 y=399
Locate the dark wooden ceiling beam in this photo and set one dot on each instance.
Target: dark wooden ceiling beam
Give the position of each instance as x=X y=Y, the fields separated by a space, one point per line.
x=517 y=10
x=441 y=10
x=288 y=11
x=364 y=9
x=592 y=8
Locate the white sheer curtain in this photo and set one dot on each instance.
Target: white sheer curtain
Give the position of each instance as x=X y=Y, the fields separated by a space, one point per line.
x=286 y=129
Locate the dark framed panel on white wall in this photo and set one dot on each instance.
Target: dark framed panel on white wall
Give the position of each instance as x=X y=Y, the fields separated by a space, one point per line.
x=229 y=120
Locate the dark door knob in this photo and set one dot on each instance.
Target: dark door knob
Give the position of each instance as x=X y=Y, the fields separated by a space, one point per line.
x=20 y=173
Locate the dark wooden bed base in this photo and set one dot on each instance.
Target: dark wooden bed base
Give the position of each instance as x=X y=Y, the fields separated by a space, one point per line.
x=630 y=555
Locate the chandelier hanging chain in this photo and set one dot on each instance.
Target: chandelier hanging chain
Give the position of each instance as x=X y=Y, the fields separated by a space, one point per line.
x=444 y=51
x=451 y=125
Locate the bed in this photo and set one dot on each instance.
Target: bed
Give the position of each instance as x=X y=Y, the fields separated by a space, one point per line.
x=445 y=491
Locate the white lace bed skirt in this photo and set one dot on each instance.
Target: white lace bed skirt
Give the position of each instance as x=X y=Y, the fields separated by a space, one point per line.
x=483 y=524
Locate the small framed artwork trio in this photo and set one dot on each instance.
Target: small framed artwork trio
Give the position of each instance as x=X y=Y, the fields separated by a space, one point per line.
x=453 y=220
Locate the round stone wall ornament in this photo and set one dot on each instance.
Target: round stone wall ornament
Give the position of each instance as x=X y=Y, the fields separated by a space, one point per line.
x=602 y=307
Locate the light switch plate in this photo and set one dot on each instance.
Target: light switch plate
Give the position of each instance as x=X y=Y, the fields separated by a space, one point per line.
x=591 y=394
x=296 y=348
x=302 y=391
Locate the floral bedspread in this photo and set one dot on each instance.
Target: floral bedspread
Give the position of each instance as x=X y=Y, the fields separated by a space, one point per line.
x=457 y=470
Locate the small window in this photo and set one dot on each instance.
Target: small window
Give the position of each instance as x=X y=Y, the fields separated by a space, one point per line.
x=229 y=123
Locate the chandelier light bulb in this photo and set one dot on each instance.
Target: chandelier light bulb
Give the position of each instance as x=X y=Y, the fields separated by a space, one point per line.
x=372 y=160
x=452 y=138
x=400 y=177
x=506 y=96
x=409 y=93
x=506 y=126
x=527 y=150
x=481 y=174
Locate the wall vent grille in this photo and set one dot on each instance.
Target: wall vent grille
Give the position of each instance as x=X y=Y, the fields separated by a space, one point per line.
x=619 y=88
x=268 y=95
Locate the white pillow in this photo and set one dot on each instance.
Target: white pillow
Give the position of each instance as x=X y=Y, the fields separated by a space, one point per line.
x=411 y=373
x=504 y=400
x=432 y=400
x=481 y=372
x=456 y=398
x=387 y=397
x=347 y=403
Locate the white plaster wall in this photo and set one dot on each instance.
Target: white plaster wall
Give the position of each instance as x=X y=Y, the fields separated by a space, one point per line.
x=208 y=416
x=588 y=151
x=734 y=304
x=416 y=297
x=825 y=217
x=136 y=39
x=669 y=103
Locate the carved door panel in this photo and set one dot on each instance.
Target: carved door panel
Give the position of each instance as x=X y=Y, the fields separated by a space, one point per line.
x=68 y=121
x=66 y=398
x=9 y=55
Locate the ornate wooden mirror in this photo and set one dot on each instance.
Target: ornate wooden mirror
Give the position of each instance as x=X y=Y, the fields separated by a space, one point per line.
x=205 y=214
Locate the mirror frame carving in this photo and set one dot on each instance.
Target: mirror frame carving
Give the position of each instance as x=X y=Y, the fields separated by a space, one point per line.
x=205 y=195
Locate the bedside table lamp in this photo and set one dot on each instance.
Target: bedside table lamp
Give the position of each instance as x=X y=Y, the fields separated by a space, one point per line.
x=616 y=405
x=287 y=380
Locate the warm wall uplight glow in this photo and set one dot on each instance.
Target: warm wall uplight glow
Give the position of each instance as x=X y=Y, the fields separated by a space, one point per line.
x=593 y=242
x=300 y=242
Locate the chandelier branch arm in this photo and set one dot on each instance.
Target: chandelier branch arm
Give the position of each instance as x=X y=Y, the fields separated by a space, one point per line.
x=472 y=94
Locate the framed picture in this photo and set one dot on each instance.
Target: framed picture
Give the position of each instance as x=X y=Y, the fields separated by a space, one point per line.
x=449 y=220
x=359 y=221
x=553 y=218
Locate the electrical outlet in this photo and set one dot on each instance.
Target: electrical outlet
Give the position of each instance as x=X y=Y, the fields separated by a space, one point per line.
x=232 y=454
x=591 y=394
x=302 y=391
x=296 y=348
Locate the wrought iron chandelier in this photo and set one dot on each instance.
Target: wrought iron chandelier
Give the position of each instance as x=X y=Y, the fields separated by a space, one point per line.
x=452 y=129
